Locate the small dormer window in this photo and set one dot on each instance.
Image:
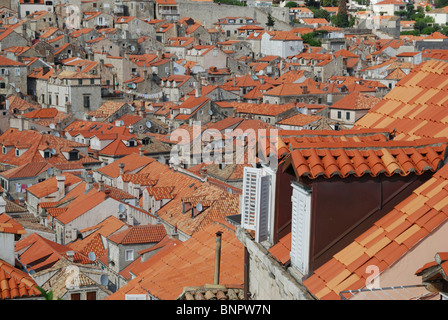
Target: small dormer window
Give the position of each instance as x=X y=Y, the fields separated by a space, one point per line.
x=17 y=153
x=132 y=143
x=4 y=150
x=47 y=154
x=73 y=155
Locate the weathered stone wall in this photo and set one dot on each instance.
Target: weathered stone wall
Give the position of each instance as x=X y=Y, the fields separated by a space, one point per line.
x=209 y=13
x=268 y=280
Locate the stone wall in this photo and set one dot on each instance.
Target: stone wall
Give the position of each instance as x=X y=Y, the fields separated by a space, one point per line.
x=209 y=13
x=268 y=280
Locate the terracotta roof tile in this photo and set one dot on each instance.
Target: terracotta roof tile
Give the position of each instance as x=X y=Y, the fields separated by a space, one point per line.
x=385 y=242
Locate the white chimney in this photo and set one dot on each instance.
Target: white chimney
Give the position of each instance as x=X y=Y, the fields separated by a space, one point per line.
x=61 y=186
x=2 y=205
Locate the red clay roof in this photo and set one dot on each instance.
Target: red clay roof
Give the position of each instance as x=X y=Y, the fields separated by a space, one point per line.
x=386 y=241
x=16 y=284
x=345 y=159
x=190 y=263
x=140 y=234
x=416 y=107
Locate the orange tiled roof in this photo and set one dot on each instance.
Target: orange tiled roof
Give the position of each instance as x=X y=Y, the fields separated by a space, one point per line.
x=49 y=186
x=190 y=263
x=9 y=225
x=359 y=158
x=299 y=120
x=132 y=162
x=16 y=284
x=356 y=101
x=416 y=107
x=139 y=234
x=386 y=241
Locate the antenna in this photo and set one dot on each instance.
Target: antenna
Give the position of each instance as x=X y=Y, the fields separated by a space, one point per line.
x=104 y=280
x=92 y=256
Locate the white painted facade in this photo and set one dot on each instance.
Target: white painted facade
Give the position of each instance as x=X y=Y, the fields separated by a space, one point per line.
x=279 y=47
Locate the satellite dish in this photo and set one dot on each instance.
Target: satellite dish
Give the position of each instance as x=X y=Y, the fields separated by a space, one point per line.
x=210 y=112
x=104 y=280
x=132 y=48
x=132 y=109
x=53 y=151
x=134 y=86
x=199 y=207
x=31 y=272
x=121 y=122
x=56 y=134
x=17 y=90
x=52 y=126
x=50 y=171
x=92 y=256
x=229 y=190
x=148 y=124
x=121 y=208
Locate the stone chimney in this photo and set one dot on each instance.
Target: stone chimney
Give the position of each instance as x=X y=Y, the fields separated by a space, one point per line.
x=121 y=166
x=198 y=92
x=89 y=183
x=101 y=184
x=61 y=186
x=142 y=151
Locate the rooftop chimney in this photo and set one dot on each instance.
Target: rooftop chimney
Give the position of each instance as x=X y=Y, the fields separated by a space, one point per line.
x=61 y=186
x=217 y=256
x=89 y=183
x=142 y=151
x=121 y=166
x=101 y=184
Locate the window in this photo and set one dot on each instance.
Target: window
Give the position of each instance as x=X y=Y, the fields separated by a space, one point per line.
x=17 y=153
x=17 y=71
x=129 y=255
x=339 y=115
x=347 y=115
x=92 y=81
x=57 y=99
x=86 y=101
x=91 y=295
x=73 y=155
x=132 y=143
x=47 y=154
x=75 y=296
x=4 y=150
x=300 y=227
x=80 y=82
x=2 y=85
x=256 y=202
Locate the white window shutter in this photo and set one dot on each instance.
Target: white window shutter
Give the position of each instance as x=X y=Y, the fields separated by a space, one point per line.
x=262 y=219
x=250 y=197
x=300 y=228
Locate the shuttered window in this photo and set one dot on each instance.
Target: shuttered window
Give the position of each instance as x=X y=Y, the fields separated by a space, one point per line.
x=300 y=228
x=250 y=197
x=256 y=202
x=262 y=220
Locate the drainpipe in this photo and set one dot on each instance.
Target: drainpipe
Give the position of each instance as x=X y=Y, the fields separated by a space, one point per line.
x=217 y=256
x=246 y=274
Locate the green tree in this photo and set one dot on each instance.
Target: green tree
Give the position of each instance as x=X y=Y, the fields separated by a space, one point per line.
x=291 y=4
x=441 y=3
x=271 y=21
x=310 y=38
x=341 y=20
